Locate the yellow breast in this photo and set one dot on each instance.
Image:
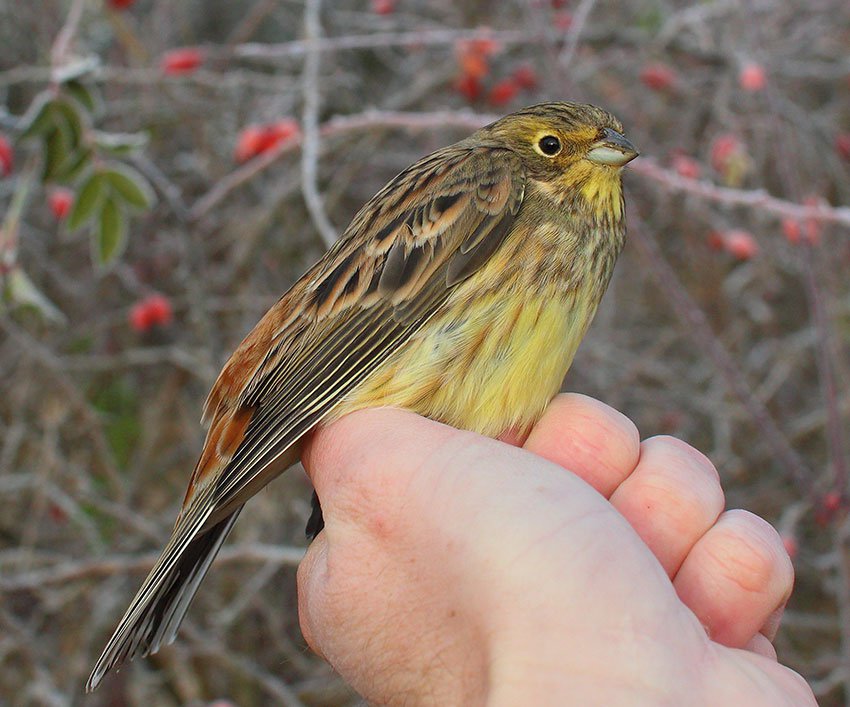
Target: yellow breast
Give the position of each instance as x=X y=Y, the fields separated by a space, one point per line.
x=487 y=363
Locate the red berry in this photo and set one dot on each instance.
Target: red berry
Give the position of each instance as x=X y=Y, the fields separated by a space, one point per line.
x=468 y=86
x=658 y=77
x=723 y=148
x=178 y=62
x=842 y=145
x=383 y=7
x=248 y=143
x=473 y=65
x=472 y=61
x=686 y=166
x=60 y=201
x=741 y=244
x=484 y=46
x=503 y=92
x=791 y=230
x=120 y=4
x=257 y=139
x=7 y=157
x=140 y=318
x=525 y=77
x=154 y=310
x=159 y=308
x=832 y=501
x=752 y=77
x=281 y=130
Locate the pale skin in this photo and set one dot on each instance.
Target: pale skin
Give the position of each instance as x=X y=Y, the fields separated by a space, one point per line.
x=585 y=568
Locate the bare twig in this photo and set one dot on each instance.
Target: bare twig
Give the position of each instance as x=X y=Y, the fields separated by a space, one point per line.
x=310 y=125
x=136 y=358
x=59 y=51
x=749 y=198
x=279 y=690
x=579 y=20
x=63 y=572
x=300 y=48
x=166 y=186
x=251 y=21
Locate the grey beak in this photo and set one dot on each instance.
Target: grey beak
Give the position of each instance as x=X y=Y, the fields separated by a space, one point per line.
x=613 y=149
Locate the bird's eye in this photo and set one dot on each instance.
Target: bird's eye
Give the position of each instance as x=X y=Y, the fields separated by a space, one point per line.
x=549 y=145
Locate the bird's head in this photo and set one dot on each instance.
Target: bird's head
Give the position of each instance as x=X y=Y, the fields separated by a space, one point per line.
x=574 y=152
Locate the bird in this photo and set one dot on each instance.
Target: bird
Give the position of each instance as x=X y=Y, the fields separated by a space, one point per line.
x=460 y=291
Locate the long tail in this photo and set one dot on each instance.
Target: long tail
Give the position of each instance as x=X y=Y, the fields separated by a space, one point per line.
x=159 y=606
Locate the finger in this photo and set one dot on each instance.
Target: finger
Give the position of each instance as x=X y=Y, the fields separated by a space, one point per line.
x=737 y=578
x=771 y=625
x=591 y=439
x=311 y=580
x=761 y=645
x=358 y=464
x=671 y=498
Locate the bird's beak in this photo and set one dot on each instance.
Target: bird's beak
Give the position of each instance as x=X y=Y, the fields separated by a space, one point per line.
x=613 y=149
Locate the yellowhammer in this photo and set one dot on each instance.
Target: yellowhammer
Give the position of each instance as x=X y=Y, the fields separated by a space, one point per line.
x=460 y=291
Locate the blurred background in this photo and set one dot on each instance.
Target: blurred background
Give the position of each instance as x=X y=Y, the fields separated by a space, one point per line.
x=168 y=169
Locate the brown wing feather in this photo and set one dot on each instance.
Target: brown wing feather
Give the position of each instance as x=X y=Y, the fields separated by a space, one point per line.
x=445 y=214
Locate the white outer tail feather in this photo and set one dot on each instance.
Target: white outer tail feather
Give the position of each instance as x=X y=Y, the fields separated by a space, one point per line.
x=163 y=599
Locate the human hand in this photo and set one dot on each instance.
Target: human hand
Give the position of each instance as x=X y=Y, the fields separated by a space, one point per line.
x=454 y=569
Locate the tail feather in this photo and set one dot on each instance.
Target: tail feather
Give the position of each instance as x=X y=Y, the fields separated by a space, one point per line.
x=158 y=608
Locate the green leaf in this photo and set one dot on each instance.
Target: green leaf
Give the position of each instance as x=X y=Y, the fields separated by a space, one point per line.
x=130 y=185
x=73 y=118
x=56 y=151
x=119 y=144
x=84 y=94
x=111 y=235
x=19 y=291
x=39 y=117
x=88 y=201
x=73 y=165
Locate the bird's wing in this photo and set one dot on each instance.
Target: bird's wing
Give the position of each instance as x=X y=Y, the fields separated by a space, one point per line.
x=431 y=227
